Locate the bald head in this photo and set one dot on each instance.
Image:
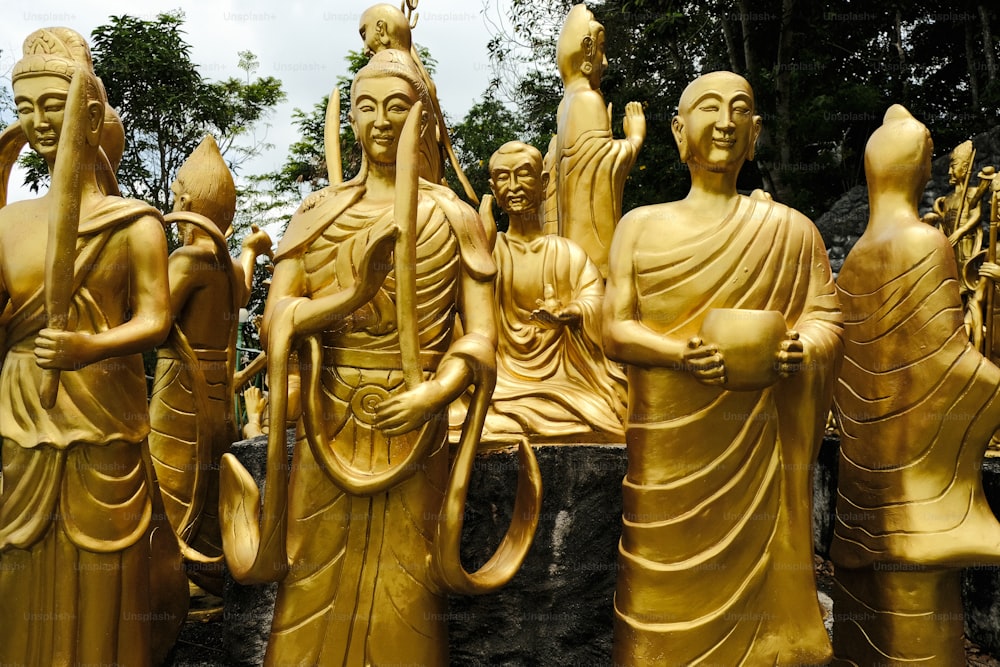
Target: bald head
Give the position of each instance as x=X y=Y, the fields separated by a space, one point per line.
x=714 y=82
x=898 y=154
x=384 y=26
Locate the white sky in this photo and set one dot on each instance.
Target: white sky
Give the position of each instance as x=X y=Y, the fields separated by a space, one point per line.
x=301 y=43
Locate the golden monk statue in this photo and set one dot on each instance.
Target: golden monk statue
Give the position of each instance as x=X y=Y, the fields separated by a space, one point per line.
x=589 y=165
x=384 y=26
x=918 y=405
x=368 y=279
x=724 y=309
x=191 y=409
x=552 y=376
x=85 y=571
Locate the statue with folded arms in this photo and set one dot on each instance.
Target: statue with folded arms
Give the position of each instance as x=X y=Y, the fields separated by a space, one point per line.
x=89 y=570
x=364 y=537
x=723 y=308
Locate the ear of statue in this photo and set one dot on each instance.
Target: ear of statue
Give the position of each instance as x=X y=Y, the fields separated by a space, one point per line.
x=754 y=135
x=545 y=181
x=587 y=46
x=382 y=32
x=677 y=129
x=424 y=117
x=95 y=122
x=183 y=202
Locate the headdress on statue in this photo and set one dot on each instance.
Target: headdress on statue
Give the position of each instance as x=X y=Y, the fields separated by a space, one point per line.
x=206 y=179
x=963 y=152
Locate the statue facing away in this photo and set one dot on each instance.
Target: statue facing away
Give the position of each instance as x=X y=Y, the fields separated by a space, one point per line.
x=85 y=571
x=918 y=404
x=724 y=309
x=191 y=408
x=368 y=279
x=553 y=379
x=589 y=166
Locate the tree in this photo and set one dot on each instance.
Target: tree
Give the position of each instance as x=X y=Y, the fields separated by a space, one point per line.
x=167 y=107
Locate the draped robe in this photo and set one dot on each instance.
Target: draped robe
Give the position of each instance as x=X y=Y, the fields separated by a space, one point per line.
x=359 y=589
x=75 y=511
x=715 y=559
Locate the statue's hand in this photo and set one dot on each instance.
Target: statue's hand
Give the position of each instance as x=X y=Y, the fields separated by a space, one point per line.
x=990 y=270
x=790 y=355
x=256 y=403
x=635 y=122
x=376 y=262
x=259 y=242
x=409 y=410
x=705 y=362
x=570 y=315
x=63 y=350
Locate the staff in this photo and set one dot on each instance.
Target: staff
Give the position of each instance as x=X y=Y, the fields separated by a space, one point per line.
x=991 y=256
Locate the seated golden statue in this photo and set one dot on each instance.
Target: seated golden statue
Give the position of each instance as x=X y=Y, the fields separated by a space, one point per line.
x=88 y=569
x=724 y=309
x=368 y=279
x=917 y=405
x=191 y=408
x=552 y=376
x=589 y=165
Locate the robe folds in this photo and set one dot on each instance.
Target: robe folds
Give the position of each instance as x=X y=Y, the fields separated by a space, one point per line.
x=359 y=588
x=76 y=506
x=552 y=381
x=715 y=559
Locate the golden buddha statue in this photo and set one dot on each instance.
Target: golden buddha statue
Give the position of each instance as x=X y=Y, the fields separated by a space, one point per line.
x=384 y=26
x=918 y=404
x=553 y=379
x=589 y=166
x=191 y=408
x=369 y=276
x=88 y=572
x=724 y=310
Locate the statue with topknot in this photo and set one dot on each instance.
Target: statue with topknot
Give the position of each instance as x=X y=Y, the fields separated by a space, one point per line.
x=191 y=408
x=86 y=576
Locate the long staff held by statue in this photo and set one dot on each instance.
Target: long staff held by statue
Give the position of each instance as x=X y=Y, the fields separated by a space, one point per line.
x=64 y=222
x=331 y=139
x=991 y=256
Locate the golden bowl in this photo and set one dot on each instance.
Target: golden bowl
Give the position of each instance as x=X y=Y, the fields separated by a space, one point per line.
x=749 y=341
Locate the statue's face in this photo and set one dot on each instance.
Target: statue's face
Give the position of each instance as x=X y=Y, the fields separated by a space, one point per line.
x=378 y=111
x=369 y=33
x=957 y=169
x=516 y=181
x=717 y=122
x=41 y=103
x=600 y=58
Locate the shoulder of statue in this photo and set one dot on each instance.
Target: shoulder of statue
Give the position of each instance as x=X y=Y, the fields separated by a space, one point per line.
x=317 y=211
x=115 y=211
x=468 y=229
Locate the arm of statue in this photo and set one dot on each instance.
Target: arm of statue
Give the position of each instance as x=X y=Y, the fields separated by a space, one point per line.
x=628 y=340
x=314 y=315
x=634 y=124
x=149 y=304
x=407 y=411
x=182 y=277
x=258 y=243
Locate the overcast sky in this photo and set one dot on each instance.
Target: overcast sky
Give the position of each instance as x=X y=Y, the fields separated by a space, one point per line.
x=301 y=43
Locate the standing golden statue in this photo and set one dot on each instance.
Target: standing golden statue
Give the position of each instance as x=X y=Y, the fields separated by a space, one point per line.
x=918 y=405
x=85 y=571
x=724 y=309
x=589 y=166
x=384 y=26
x=553 y=379
x=191 y=408
x=369 y=277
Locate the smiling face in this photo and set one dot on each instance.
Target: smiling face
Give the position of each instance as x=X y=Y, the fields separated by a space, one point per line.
x=517 y=181
x=715 y=127
x=378 y=112
x=41 y=104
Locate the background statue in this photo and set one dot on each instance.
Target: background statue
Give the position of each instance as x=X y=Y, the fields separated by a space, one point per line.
x=191 y=409
x=589 y=165
x=369 y=273
x=86 y=574
x=552 y=376
x=726 y=407
x=384 y=26
x=918 y=405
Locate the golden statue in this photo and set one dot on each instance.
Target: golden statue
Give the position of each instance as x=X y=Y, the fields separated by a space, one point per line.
x=191 y=408
x=724 y=309
x=88 y=568
x=918 y=405
x=384 y=26
x=589 y=166
x=552 y=376
x=368 y=279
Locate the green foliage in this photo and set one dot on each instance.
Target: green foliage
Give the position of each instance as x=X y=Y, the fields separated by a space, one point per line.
x=488 y=125
x=167 y=107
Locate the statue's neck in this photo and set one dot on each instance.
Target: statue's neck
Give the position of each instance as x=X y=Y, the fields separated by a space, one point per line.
x=525 y=227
